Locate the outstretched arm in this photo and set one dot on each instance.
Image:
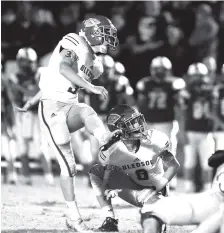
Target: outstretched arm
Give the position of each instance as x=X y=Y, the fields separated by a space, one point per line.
x=30 y=103
x=172 y=167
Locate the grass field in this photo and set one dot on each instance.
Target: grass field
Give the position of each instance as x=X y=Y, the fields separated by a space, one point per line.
x=40 y=208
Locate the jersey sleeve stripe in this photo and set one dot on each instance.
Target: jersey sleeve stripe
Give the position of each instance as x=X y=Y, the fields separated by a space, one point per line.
x=70 y=41
x=73 y=39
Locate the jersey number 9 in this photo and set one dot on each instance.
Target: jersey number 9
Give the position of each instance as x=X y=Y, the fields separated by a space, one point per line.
x=142 y=174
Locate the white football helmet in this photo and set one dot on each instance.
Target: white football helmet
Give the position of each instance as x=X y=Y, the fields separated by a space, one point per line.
x=197 y=69
x=160 y=67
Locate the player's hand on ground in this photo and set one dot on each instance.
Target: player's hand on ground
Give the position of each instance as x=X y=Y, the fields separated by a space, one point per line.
x=100 y=90
x=110 y=193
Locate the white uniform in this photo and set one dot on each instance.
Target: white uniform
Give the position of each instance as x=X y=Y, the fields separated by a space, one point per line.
x=218 y=133
x=133 y=172
x=55 y=86
x=192 y=208
x=60 y=113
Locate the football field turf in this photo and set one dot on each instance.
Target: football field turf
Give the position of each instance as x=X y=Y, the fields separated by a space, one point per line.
x=40 y=208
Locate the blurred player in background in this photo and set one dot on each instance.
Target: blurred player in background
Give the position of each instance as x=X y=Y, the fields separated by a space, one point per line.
x=157 y=99
x=205 y=208
x=198 y=125
x=72 y=66
x=134 y=171
x=7 y=122
x=211 y=65
x=23 y=86
x=218 y=104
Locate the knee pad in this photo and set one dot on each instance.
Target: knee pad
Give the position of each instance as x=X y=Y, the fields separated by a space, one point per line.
x=59 y=129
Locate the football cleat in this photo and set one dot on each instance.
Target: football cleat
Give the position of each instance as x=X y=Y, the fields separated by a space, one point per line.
x=109 y=225
x=77 y=225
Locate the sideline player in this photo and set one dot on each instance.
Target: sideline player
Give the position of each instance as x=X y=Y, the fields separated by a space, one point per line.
x=133 y=172
x=7 y=122
x=23 y=86
x=218 y=131
x=206 y=208
x=73 y=65
x=198 y=126
x=157 y=99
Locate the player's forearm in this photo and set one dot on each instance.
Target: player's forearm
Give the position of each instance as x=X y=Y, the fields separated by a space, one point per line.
x=67 y=71
x=172 y=169
x=173 y=166
x=36 y=99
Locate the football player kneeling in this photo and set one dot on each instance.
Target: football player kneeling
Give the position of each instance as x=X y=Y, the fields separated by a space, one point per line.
x=134 y=170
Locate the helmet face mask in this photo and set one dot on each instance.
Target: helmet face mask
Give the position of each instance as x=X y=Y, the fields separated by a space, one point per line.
x=135 y=128
x=129 y=120
x=160 y=67
x=100 y=31
x=108 y=35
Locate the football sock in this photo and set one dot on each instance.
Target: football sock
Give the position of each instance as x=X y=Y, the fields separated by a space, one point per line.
x=73 y=211
x=108 y=211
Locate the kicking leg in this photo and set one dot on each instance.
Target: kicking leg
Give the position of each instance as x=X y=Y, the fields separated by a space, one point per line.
x=93 y=125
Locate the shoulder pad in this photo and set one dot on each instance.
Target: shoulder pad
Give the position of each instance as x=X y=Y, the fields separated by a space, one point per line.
x=140 y=86
x=158 y=140
x=74 y=42
x=178 y=84
x=123 y=81
x=129 y=90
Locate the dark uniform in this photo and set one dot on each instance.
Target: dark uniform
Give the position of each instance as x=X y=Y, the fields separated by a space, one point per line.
x=158 y=99
x=199 y=125
x=199 y=105
x=119 y=92
x=219 y=113
x=23 y=86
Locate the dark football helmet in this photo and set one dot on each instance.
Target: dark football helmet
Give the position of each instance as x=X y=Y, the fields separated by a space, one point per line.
x=99 y=30
x=26 y=59
x=130 y=120
x=160 y=67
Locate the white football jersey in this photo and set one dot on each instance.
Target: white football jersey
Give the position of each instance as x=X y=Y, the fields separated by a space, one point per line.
x=218 y=182
x=53 y=84
x=143 y=168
